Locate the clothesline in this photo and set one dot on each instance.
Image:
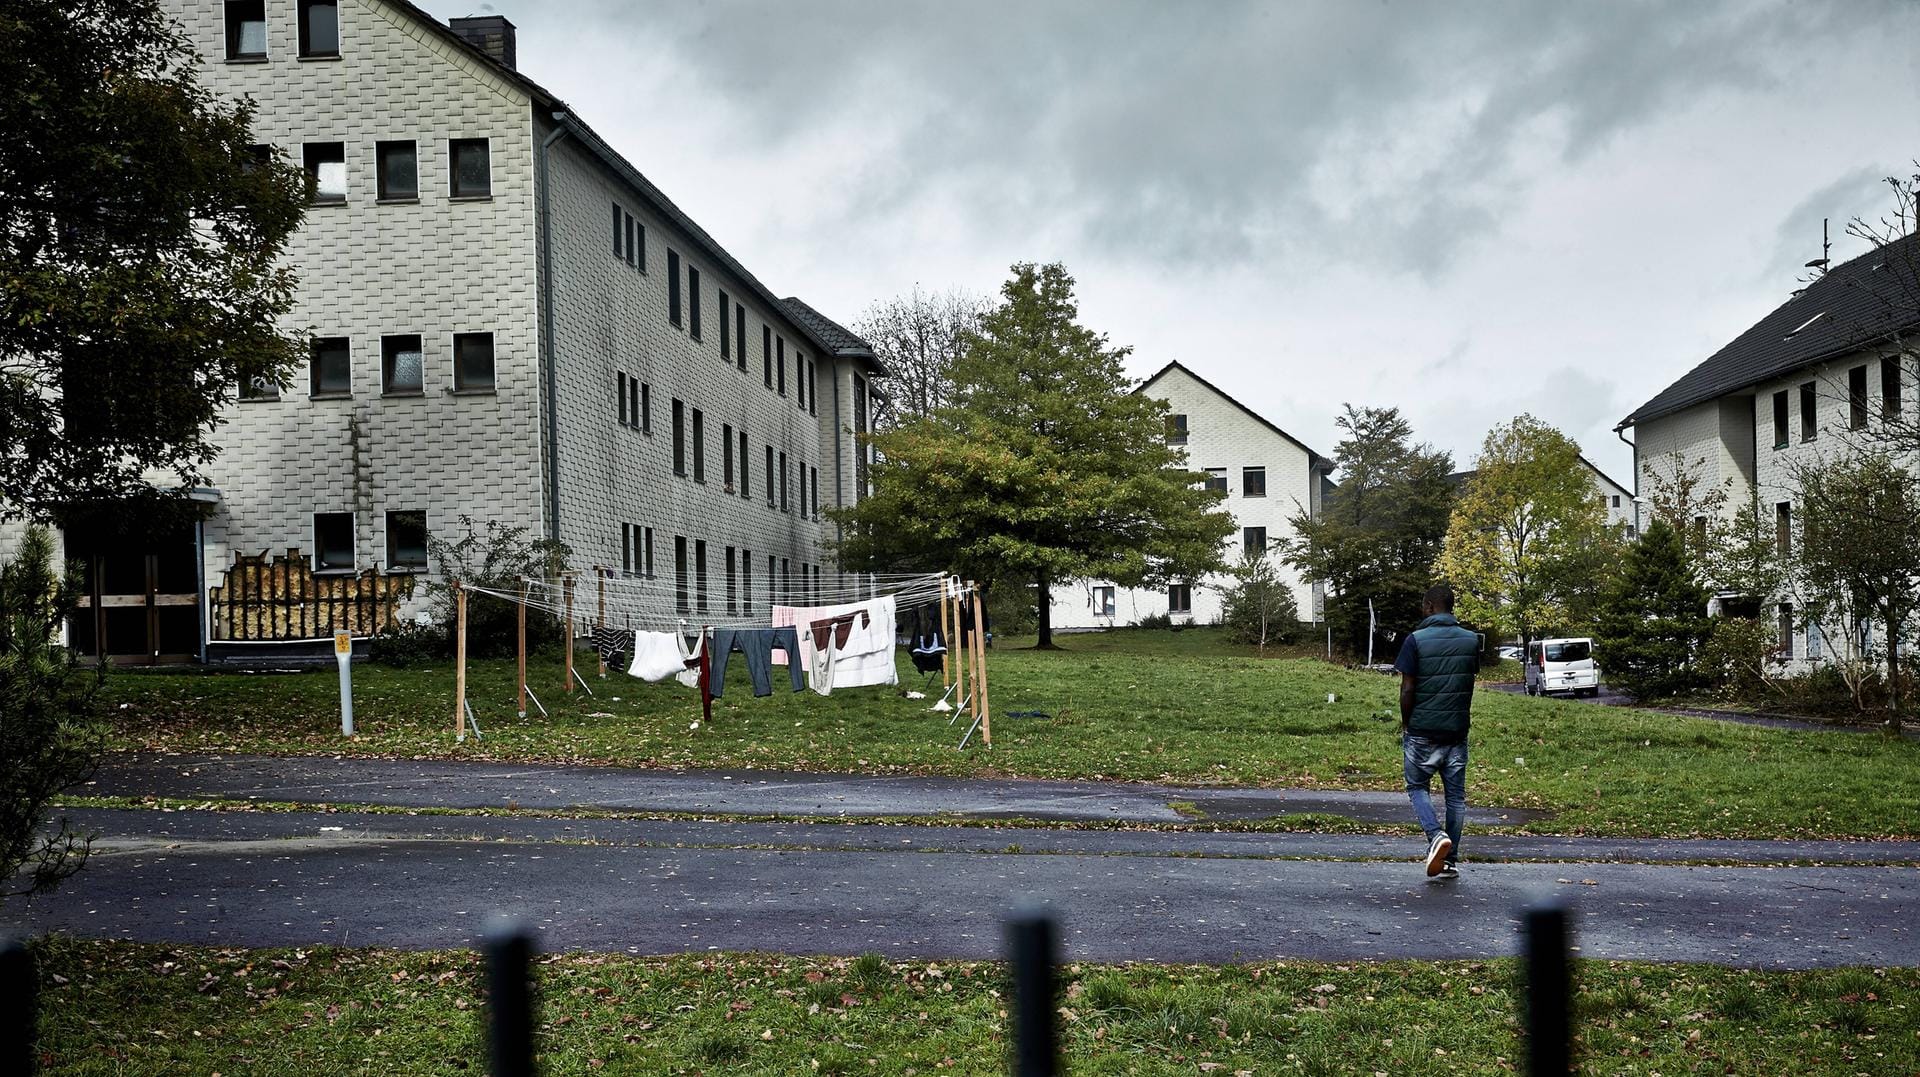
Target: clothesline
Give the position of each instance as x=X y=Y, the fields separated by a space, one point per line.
x=656 y=603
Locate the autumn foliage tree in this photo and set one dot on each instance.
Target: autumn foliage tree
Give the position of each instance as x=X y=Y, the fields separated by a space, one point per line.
x=1528 y=545
x=1045 y=467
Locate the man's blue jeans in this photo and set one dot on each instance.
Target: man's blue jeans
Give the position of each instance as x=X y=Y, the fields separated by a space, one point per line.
x=1423 y=758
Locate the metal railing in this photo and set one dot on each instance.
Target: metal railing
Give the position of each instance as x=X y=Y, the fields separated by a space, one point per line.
x=1033 y=945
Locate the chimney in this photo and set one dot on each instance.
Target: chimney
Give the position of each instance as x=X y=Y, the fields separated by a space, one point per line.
x=491 y=34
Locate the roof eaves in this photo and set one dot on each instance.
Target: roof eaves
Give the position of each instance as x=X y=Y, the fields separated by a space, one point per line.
x=1315 y=461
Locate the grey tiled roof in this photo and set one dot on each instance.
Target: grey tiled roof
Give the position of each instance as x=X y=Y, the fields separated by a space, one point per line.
x=836 y=337
x=1859 y=303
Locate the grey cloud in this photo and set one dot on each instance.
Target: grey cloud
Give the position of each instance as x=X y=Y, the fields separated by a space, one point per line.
x=1191 y=134
x=1858 y=192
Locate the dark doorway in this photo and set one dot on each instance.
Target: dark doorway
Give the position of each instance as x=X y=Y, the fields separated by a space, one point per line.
x=139 y=598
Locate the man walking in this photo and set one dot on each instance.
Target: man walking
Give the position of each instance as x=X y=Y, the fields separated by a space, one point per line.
x=1436 y=666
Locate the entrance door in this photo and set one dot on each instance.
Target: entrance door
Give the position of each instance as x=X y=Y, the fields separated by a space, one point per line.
x=140 y=602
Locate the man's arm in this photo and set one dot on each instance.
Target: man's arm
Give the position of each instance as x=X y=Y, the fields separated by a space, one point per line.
x=1407 y=665
x=1406 y=700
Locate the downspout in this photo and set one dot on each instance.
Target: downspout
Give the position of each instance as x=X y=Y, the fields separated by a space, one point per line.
x=1617 y=432
x=839 y=485
x=546 y=331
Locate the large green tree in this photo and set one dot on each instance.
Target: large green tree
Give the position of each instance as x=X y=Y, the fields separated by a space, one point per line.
x=1653 y=618
x=1381 y=528
x=1045 y=467
x=1528 y=546
x=1857 y=561
x=139 y=238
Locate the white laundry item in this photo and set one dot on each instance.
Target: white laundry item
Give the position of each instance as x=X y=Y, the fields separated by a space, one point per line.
x=689 y=675
x=867 y=658
x=657 y=656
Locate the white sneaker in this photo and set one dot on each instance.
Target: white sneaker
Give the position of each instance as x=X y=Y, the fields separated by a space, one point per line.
x=1437 y=854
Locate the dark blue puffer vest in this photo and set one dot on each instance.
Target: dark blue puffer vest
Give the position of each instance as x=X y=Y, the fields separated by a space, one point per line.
x=1443 y=689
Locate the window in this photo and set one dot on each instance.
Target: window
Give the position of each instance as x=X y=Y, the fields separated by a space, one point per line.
x=1176 y=429
x=783 y=482
x=1816 y=642
x=1253 y=482
x=1783 y=528
x=620 y=391
x=326 y=165
x=1857 y=398
x=1809 y=412
x=1780 y=419
x=396 y=171
x=407 y=541
x=1786 y=630
x=726 y=456
x=746 y=580
x=1180 y=598
x=258 y=388
x=699 y=446
x=726 y=328
x=626 y=549
x=629 y=228
x=816 y=493
x=473 y=362
x=744 y=491
x=679 y=438
x=330 y=370
x=673 y=286
x=733 y=585
x=620 y=247
x=469 y=168
x=1616 y=501
x=769 y=474
x=333 y=542
x=766 y=355
x=1889 y=402
x=1217 y=479
x=680 y=596
x=647 y=553
x=400 y=366
x=700 y=575
x=246 y=29
x=1700 y=528
x=799 y=379
x=1253 y=540
x=693 y=302
x=1103 y=601
x=640 y=244
x=813 y=388
x=646 y=406
x=780 y=364
x=773 y=580
x=319 y=28
x=740 y=334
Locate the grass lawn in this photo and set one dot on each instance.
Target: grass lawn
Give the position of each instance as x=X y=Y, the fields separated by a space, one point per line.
x=125 y=1009
x=1135 y=705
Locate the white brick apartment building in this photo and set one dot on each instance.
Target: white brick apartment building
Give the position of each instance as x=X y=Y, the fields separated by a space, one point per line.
x=507 y=322
x=1824 y=367
x=1617 y=500
x=1268 y=476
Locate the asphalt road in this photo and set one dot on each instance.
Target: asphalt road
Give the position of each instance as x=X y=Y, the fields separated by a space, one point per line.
x=261 y=879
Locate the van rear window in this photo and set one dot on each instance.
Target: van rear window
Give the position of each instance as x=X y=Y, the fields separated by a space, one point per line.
x=1577 y=651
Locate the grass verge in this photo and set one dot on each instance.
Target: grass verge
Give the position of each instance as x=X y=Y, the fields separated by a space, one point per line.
x=131 y=1009
x=1170 y=707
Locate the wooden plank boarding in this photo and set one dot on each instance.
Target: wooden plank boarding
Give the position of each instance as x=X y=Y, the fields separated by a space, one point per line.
x=459 y=662
x=521 y=659
x=569 y=633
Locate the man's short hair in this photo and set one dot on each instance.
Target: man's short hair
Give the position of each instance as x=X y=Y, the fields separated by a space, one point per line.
x=1440 y=597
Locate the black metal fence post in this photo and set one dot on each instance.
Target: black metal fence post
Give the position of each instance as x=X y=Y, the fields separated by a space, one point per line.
x=510 y=1000
x=1549 y=991
x=1033 y=944
x=19 y=1010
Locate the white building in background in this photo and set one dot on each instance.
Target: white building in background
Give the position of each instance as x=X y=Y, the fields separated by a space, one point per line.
x=1824 y=367
x=1616 y=499
x=508 y=322
x=1269 y=476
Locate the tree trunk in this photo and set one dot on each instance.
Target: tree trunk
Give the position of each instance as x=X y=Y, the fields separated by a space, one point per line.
x=1043 y=603
x=1893 y=671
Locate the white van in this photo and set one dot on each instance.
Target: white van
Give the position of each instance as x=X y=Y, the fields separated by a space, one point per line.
x=1562 y=665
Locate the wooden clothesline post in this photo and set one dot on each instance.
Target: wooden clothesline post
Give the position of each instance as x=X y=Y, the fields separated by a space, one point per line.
x=600 y=616
x=946 y=672
x=521 y=657
x=980 y=682
x=459 y=662
x=569 y=632
x=959 y=664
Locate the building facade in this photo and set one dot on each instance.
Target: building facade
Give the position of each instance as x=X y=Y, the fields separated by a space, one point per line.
x=508 y=324
x=1268 y=476
x=1799 y=388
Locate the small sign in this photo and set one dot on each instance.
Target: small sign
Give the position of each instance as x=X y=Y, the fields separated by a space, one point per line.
x=342 y=643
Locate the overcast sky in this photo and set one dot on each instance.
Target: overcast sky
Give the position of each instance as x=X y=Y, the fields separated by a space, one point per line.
x=1467 y=210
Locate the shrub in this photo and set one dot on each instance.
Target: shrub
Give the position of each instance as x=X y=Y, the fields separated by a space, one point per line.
x=1156 y=620
x=497 y=557
x=410 y=643
x=1259 y=607
x=51 y=735
x=1653 y=618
